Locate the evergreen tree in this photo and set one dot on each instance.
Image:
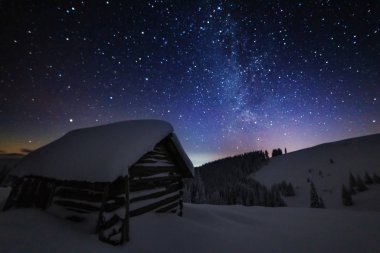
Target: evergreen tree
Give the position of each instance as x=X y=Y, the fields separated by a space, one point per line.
x=315 y=200
x=291 y=190
x=250 y=199
x=352 y=180
x=286 y=151
x=278 y=201
x=276 y=152
x=263 y=157
x=360 y=185
x=321 y=203
x=368 y=179
x=346 y=197
x=376 y=179
x=352 y=184
x=266 y=155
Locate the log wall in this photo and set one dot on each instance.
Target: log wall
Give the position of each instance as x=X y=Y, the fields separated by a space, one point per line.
x=156 y=183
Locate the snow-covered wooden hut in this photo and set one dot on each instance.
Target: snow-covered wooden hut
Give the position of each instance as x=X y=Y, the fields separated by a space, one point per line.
x=113 y=172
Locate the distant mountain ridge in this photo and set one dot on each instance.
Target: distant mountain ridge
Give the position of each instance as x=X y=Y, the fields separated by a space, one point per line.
x=366 y=139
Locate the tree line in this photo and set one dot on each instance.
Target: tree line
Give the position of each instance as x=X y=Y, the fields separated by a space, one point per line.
x=357 y=184
x=226 y=181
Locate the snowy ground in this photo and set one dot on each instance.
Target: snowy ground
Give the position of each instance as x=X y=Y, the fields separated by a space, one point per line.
x=208 y=228
x=357 y=155
x=203 y=228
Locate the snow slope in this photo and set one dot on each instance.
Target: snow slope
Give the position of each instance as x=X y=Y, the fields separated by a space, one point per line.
x=203 y=228
x=358 y=155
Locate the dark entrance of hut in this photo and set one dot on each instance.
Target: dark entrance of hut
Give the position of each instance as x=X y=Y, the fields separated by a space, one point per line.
x=30 y=191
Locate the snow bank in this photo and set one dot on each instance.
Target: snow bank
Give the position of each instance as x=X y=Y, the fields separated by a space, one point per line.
x=99 y=153
x=203 y=228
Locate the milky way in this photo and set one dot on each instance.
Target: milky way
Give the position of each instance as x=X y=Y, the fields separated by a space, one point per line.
x=230 y=76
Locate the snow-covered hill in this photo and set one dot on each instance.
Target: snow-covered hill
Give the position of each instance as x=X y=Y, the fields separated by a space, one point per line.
x=203 y=228
x=358 y=155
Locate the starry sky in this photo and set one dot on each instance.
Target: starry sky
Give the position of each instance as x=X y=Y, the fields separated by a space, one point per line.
x=231 y=76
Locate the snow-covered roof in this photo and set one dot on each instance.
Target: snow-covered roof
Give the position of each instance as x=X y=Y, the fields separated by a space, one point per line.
x=186 y=160
x=100 y=153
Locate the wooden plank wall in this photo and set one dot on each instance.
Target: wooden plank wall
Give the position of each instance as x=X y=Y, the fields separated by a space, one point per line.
x=80 y=197
x=155 y=183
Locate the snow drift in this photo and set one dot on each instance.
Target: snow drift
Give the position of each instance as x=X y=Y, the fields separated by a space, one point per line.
x=203 y=228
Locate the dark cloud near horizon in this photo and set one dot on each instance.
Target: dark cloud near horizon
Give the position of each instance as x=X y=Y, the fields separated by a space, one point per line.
x=26 y=151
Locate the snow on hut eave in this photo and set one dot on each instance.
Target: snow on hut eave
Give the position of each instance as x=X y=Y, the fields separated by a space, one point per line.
x=185 y=162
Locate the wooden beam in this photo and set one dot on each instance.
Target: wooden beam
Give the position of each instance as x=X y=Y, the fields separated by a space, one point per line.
x=79 y=194
x=115 y=230
x=77 y=210
x=153 y=161
x=111 y=222
x=101 y=217
x=125 y=232
x=146 y=161
x=117 y=187
x=76 y=205
x=12 y=197
x=85 y=185
x=145 y=171
x=167 y=208
x=154 y=180
x=180 y=207
x=151 y=184
x=116 y=203
x=157 y=156
x=171 y=189
x=153 y=206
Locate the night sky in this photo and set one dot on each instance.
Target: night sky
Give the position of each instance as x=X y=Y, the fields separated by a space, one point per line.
x=231 y=76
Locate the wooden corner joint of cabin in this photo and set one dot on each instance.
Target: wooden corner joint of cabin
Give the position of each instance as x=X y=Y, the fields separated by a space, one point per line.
x=113 y=222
